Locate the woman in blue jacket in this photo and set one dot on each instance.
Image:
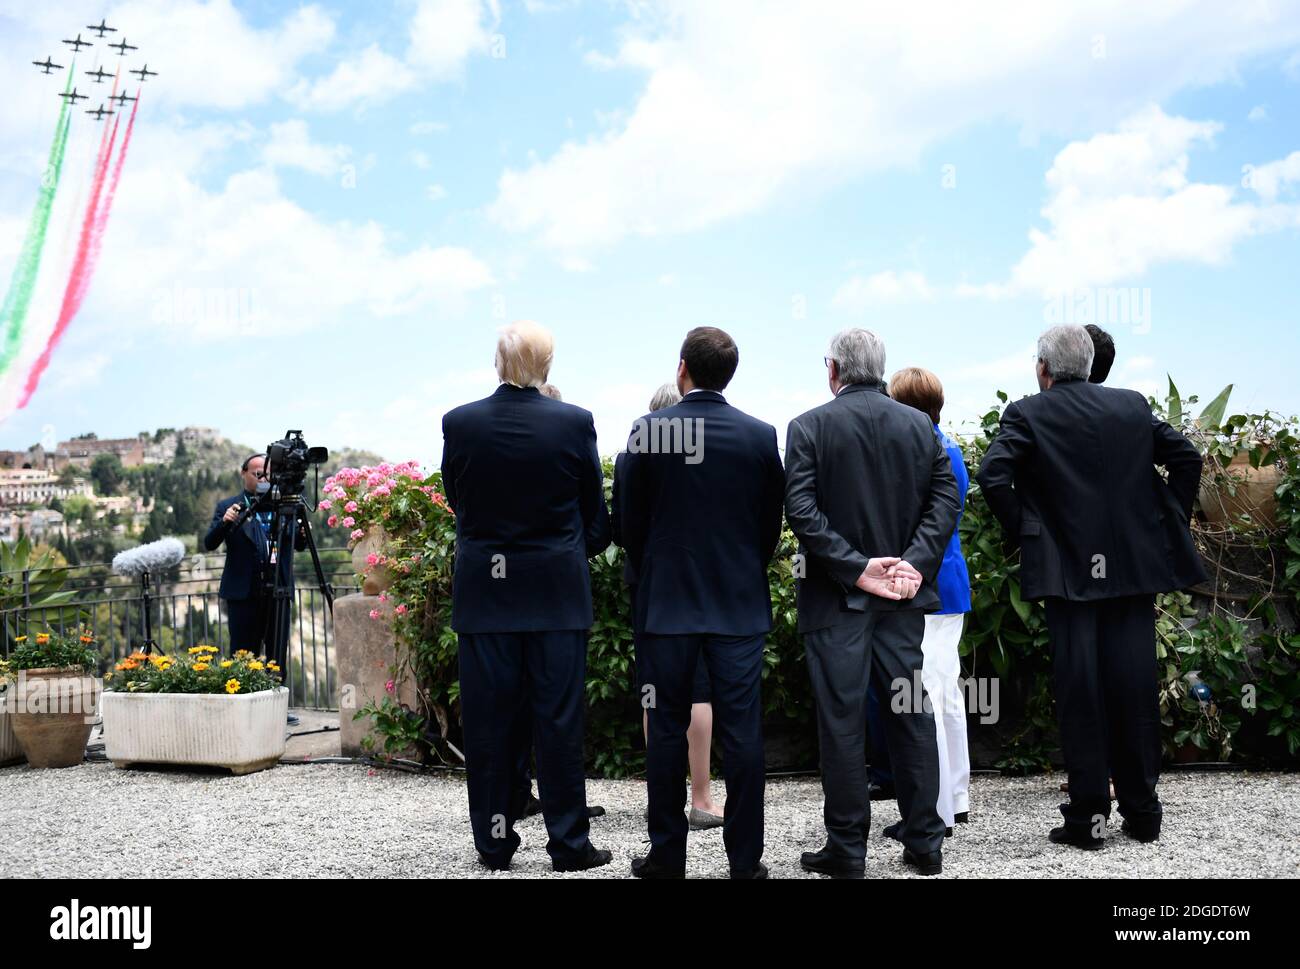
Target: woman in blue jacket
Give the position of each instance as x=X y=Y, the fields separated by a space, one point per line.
x=941 y=665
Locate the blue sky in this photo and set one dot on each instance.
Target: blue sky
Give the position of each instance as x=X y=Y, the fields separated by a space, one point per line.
x=358 y=196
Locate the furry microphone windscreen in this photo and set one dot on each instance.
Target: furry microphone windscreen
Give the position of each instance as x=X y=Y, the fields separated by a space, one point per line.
x=154 y=557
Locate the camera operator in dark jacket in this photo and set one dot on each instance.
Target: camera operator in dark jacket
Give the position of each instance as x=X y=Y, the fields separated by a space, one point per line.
x=245 y=579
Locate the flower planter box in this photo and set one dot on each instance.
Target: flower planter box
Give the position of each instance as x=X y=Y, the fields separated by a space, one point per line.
x=10 y=752
x=243 y=733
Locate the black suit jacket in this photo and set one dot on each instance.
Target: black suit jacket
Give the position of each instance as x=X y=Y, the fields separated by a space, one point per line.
x=246 y=553
x=522 y=473
x=1072 y=478
x=866 y=477
x=699 y=535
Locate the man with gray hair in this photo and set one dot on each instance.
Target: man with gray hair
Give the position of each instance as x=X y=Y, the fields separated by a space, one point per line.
x=522 y=474
x=872 y=498
x=1071 y=477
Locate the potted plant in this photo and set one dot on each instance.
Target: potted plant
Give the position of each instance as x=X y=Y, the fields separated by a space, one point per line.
x=9 y=749
x=195 y=709
x=53 y=696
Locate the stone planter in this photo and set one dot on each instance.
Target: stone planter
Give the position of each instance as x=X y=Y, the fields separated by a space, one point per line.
x=379 y=578
x=365 y=652
x=10 y=752
x=244 y=733
x=52 y=710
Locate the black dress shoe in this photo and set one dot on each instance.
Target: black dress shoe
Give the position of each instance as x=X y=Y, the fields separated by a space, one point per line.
x=759 y=871
x=1077 y=839
x=594 y=858
x=531 y=806
x=826 y=862
x=929 y=863
x=962 y=817
x=1146 y=835
x=595 y=811
x=493 y=865
x=293 y=720
x=645 y=868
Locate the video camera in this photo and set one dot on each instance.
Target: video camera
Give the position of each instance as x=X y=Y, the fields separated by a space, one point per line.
x=287 y=461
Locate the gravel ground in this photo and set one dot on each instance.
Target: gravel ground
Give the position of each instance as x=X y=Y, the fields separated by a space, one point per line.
x=330 y=820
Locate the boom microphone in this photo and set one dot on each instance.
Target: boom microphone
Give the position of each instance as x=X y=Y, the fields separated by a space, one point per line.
x=154 y=557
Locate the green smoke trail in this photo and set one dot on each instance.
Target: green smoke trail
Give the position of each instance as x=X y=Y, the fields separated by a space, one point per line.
x=22 y=284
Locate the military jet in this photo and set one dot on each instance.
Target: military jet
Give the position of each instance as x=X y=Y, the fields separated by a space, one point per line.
x=100 y=112
x=103 y=28
x=121 y=99
x=123 y=47
x=73 y=97
x=48 y=64
x=77 y=44
x=144 y=73
x=99 y=74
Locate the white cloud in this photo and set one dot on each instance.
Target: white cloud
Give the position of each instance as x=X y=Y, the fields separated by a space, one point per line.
x=427 y=127
x=442 y=36
x=745 y=99
x=861 y=292
x=435 y=193
x=1121 y=202
x=1267 y=181
x=421 y=160
x=290 y=146
x=1258 y=113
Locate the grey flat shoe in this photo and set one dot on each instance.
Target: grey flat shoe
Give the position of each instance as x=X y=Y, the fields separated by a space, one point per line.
x=702 y=820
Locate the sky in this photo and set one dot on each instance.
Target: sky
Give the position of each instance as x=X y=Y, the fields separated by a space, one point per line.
x=329 y=209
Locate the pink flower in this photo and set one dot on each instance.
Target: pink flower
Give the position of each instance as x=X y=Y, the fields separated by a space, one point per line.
x=374 y=613
x=401 y=610
x=390 y=686
x=332 y=520
x=349 y=521
x=325 y=504
x=356 y=534
x=383 y=597
x=372 y=559
x=350 y=506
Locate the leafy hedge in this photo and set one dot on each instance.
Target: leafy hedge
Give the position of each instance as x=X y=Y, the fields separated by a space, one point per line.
x=1228 y=683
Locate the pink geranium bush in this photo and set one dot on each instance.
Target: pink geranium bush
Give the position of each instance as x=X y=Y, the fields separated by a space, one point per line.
x=421 y=529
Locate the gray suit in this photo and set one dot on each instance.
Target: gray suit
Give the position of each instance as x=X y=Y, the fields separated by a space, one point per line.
x=867 y=477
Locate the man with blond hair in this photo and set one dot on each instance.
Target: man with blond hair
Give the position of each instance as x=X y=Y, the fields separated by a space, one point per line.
x=522 y=474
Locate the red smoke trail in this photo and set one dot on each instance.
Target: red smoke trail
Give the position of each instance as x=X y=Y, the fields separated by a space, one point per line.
x=83 y=266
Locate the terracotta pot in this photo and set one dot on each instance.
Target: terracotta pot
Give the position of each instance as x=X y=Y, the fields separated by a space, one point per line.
x=1255 y=494
x=10 y=752
x=379 y=578
x=53 y=710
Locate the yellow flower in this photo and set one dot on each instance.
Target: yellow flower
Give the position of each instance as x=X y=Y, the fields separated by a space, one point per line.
x=227 y=663
x=255 y=665
x=20 y=639
x=232 y=686
x=201 y=667
x=208 y=649
x=273 y=667
x=194 y=649
x=42 y=639
x=159 y=660
x=242 y=652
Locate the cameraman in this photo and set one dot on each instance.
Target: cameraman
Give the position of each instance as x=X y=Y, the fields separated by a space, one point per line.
x=246 y=578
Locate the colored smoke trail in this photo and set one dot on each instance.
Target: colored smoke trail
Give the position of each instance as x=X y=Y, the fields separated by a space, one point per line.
x=22 y=284
x=83 y=267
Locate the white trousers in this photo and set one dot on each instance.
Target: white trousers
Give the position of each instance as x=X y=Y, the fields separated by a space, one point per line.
x=940 y=673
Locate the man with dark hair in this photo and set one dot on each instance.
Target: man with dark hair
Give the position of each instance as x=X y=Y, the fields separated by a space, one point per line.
x=1103 y=356
x=700 y=516
x=245 y=578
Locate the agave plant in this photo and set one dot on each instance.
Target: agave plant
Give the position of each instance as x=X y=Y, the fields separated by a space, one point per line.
x=31 y=588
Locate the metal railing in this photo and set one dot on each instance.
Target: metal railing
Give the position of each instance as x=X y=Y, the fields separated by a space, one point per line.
x=185 y=610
